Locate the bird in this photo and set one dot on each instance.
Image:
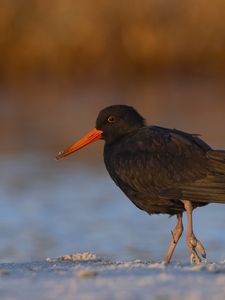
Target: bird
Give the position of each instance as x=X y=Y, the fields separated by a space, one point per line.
x=161 y=170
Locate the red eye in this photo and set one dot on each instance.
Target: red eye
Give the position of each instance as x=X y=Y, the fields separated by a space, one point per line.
x=111 y=119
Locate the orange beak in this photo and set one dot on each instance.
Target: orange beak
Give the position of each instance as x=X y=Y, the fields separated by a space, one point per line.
x=91 y=137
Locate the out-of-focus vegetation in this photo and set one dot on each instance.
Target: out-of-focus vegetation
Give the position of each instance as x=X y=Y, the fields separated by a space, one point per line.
x=73 y=38
x=61 y=61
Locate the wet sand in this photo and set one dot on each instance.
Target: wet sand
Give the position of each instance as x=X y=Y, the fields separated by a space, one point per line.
x=87 y=276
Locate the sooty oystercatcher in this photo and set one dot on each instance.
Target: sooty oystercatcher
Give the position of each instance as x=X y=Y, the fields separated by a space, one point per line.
x=161 y=170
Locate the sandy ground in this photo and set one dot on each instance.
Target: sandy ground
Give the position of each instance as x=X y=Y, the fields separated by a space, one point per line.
x=85 y=276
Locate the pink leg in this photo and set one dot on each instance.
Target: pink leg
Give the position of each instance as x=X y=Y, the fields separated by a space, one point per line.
x=176 y=234
x=192 y=242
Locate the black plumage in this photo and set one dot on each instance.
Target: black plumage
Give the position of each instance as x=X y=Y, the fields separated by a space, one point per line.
x=159 y=169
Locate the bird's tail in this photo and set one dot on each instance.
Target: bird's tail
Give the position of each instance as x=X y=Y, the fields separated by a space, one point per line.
x=211 y=189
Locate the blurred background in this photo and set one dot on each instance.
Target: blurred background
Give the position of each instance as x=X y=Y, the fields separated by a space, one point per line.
x=60 y=63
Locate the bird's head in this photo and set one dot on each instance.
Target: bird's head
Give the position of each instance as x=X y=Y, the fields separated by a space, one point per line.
x=112 y=123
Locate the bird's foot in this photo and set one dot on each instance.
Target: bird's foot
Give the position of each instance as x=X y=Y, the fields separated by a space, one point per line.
x=176 y=234
x=193 y=244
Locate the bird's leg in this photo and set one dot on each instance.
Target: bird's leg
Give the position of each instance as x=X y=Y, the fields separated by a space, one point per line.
x=192 y=243
x=176 y=234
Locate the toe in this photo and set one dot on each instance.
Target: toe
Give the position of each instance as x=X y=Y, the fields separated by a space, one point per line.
x=194 y=257
x=201 y=249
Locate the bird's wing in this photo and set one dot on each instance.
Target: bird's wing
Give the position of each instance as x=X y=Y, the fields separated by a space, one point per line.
x=160 y=161
x=212 y=187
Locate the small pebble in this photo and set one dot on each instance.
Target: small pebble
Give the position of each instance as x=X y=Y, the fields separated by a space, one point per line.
x=87 y=273
x=4 y=272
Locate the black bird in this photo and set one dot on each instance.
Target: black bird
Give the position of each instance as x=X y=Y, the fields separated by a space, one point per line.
x=161 y=170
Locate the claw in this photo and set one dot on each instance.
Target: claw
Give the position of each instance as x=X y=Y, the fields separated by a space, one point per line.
x=194 y=258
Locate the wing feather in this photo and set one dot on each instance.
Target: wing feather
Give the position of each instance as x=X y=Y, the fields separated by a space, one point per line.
x=157 y=159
